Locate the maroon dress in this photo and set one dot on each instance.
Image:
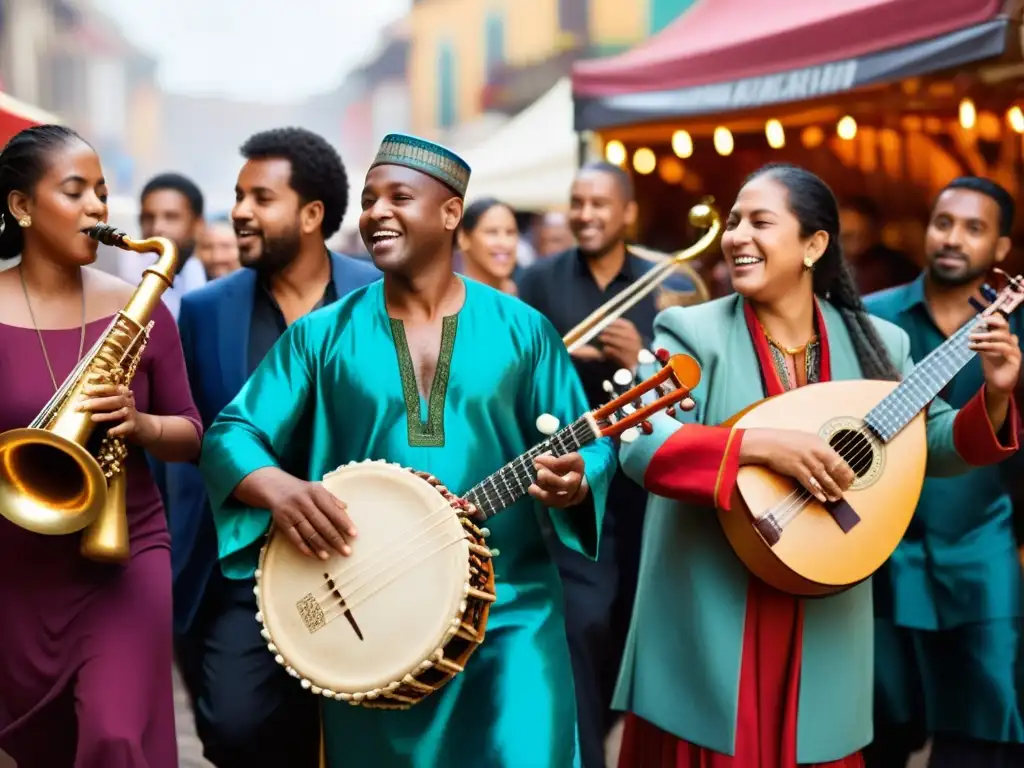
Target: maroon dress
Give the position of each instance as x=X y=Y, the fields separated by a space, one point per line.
x=85 y=648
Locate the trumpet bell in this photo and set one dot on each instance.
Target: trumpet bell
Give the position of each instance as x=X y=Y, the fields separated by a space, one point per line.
x=49 y=484
x=702 y=216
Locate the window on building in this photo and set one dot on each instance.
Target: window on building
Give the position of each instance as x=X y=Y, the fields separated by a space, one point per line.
x=574 y=18
x=494 y=37
x=446 y=86
x=664 y=12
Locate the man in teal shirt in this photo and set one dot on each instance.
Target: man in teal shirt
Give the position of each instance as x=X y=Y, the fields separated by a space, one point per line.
x=447 y=376
x=948 y=602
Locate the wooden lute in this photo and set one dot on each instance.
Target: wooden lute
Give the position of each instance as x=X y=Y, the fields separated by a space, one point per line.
x=798 y=545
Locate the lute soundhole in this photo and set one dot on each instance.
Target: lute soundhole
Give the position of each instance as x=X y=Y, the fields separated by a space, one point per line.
x=865 y=454
x=859 y=447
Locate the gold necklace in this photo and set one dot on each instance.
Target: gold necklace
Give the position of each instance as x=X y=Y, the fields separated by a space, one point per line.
x=792 y=351
x=39 y=333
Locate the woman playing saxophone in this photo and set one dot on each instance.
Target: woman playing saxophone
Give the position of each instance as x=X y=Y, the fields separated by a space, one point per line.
x=85 y=647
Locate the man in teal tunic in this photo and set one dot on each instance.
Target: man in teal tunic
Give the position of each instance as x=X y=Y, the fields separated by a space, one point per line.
x=448 y=377
x=948 y=635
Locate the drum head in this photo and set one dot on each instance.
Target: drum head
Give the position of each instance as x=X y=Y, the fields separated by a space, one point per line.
x=404 y=584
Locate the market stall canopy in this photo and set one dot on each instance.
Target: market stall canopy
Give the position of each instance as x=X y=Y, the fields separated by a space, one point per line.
x=16 y=116
x=530 y=161
x=724 y=55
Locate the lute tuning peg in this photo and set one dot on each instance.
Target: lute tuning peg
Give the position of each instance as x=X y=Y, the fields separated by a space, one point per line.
x=629 y=435
x=989 y=292
x=623 y=379
x=977 y=305
x=646 y=357
x=662 y=355
x=547 y=424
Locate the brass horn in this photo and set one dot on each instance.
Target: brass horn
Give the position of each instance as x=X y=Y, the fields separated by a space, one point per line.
x=702 y=216
x=60 y=475
x=668 y=297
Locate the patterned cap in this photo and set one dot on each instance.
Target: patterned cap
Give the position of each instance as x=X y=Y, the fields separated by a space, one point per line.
x=426 y=157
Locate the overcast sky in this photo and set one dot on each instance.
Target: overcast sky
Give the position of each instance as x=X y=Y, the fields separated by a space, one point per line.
x=263 y=50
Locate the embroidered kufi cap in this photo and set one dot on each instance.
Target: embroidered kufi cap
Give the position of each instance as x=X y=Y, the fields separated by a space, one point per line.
x=426 y=157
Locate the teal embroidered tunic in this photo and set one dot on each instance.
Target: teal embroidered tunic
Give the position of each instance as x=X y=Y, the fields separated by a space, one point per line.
x=338 y=387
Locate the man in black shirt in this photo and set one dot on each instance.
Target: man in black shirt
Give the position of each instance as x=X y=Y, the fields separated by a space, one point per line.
x=290 y=197
x=566 y=288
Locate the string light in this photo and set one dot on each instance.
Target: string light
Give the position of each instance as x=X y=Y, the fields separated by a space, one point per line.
x=1015 y=117
x=723 y=141
x=615 y=152
x=846 y=128
x=968 y=114
x=775 y=134
x=644 y=161
x=682 y=144
x=812 y=136
x=670 y=169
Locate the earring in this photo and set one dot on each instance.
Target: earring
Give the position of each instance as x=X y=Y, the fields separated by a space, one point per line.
x=808 y=262
x=26 y=222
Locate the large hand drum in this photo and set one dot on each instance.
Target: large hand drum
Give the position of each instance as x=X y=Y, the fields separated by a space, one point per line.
x=397 y=619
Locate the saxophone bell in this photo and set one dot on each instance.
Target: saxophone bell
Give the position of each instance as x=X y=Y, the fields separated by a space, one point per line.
x=49 y=484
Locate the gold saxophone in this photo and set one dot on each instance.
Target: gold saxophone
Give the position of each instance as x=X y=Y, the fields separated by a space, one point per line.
x=60 y=475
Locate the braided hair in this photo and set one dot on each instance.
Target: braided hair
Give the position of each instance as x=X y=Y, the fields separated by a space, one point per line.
x=815 y=207
x=23 y=162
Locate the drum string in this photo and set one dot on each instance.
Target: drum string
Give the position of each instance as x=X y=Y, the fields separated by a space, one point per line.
x=375 y=561
x=342 y=578
x=347 y=602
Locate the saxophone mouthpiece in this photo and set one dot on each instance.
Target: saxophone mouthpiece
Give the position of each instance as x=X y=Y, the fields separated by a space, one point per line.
x=105 y=233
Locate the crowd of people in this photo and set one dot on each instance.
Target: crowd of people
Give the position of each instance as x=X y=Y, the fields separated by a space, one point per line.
x=273 y=359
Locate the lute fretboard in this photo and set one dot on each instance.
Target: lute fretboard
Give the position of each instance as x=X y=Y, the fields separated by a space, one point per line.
x=510 y=483
x=924 y=383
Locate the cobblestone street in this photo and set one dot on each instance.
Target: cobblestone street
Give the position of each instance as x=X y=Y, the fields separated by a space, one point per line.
x=190 y=751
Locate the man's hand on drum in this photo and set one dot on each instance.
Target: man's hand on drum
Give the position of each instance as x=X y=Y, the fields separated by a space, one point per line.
x=560 y=481
x=309 y=515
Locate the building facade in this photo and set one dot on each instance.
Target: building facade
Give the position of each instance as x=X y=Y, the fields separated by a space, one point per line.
x=471 y=57
x=68 y=58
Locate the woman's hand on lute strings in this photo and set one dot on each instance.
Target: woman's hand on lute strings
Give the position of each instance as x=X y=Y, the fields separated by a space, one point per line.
x=801 y=455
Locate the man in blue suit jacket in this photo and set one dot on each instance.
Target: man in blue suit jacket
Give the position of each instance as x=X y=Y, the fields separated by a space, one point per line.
x=290 y=196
